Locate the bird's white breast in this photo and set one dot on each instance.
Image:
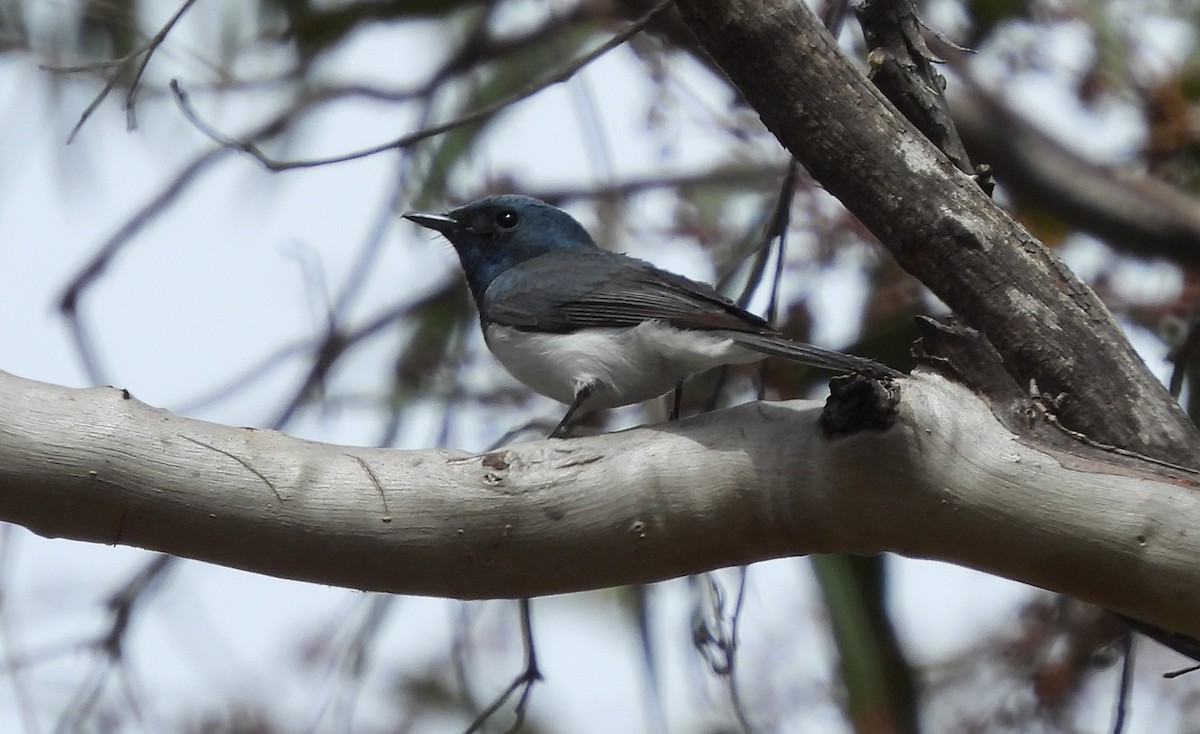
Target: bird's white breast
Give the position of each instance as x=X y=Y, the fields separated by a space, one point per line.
x=624 y=366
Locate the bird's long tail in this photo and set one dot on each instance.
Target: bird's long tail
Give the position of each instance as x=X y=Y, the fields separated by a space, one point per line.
x=778 y=346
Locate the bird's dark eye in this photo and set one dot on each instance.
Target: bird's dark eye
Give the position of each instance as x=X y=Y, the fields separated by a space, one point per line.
x=507 y=219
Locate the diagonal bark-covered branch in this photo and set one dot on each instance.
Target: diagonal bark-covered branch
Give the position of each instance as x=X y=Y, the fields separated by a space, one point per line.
x=1048 y=327
x=754 y=482
x=1133 y=212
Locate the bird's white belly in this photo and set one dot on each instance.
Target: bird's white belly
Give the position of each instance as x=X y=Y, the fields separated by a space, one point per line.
x=623 y=366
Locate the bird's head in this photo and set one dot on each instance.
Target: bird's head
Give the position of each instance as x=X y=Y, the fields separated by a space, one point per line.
x=494 y=234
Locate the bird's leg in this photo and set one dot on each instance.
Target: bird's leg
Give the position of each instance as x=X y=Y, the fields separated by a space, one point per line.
x=581 y=396
x=677 y=402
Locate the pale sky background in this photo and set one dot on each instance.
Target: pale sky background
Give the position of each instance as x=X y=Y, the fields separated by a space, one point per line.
x=217 y=283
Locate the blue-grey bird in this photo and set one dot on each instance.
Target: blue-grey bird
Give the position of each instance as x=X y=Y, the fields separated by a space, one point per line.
x=594 y=328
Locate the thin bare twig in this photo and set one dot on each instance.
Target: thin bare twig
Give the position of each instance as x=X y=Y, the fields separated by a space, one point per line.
x=24 y=702
x=335 y=342
x=248 y=147
x=523 y=682
x=714 y=635
x=1126 y=682
x=146 y=51
x=724 y=175
x=776 y=231
x=364 y=264
x=110 y=646
x=68 y=303
x=350 y=663
x=735 y=696
x=153 y=45
x=458 y=653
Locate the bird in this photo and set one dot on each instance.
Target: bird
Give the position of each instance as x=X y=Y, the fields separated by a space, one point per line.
x=594 y=328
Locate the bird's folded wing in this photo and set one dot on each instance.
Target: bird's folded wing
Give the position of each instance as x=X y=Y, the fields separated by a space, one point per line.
x=562 y=292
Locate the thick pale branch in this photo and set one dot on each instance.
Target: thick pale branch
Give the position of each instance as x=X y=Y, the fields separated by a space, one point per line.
x=755 y=482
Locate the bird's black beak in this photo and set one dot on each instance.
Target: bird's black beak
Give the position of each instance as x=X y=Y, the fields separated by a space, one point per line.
x=443 y=223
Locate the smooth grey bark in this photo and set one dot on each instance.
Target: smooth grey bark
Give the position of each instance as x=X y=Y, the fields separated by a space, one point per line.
x=759 y=481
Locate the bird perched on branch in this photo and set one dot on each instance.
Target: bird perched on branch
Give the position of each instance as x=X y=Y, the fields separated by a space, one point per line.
x=594 y=328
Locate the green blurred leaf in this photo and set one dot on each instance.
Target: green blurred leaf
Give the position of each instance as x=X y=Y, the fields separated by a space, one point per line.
x=881 y=692
x=109 y=28
x=440 y=320
x=492 y=84
x=316 y=31
x=986 y=15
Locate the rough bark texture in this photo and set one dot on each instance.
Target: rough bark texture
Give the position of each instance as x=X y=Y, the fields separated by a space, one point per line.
x=1047 y=325
x=902 y=67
